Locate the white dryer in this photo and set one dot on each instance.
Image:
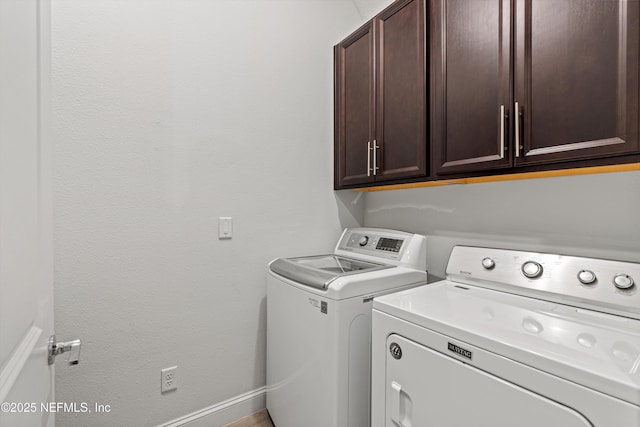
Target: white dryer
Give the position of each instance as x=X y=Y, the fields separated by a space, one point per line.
x=511 y=339
x=319 y=325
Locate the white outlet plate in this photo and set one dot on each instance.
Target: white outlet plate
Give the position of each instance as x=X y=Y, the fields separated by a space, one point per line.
x=168 y=379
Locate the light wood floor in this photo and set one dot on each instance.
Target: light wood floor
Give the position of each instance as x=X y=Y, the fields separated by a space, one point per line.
x=259 y=419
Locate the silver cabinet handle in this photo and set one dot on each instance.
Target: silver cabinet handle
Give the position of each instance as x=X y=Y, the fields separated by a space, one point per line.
x=517 y=129
x=375 y=157
x=502 y=131
x=368 y=158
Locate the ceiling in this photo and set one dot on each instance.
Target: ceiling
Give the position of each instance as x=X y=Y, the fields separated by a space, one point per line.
x=369 y=8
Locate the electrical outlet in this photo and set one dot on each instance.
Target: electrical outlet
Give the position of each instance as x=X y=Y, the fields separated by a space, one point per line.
x=168 y=379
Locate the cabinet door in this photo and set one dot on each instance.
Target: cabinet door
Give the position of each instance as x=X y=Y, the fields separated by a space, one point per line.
x=354 y=107
x=576 y=68
x=470 y=84
x=401 y=121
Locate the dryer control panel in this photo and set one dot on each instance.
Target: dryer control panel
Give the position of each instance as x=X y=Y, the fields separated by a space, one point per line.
x=604 y=285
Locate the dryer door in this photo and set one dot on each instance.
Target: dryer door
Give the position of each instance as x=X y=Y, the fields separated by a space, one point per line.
x=425 y=388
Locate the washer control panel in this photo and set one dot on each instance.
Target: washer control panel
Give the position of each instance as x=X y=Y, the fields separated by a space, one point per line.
x=375 y=243
x=603 y=285
x=383 y=245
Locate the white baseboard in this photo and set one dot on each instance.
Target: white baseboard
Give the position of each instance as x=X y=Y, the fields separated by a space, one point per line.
x=224 y=412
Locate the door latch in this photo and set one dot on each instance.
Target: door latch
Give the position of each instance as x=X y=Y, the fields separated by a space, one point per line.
x=56 y=348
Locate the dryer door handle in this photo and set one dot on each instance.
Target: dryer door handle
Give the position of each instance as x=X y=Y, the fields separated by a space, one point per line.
x=396 y=391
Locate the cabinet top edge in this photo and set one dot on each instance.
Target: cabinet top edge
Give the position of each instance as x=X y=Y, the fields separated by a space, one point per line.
x=510 y=177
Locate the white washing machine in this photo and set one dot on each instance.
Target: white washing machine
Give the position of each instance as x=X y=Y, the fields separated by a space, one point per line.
x=319 y=325
x=511 y=339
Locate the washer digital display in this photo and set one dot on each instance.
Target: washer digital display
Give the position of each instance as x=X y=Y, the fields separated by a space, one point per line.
x=391 y=245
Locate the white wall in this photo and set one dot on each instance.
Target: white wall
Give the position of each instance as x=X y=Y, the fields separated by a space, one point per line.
x=591 y=215
x=167 y=115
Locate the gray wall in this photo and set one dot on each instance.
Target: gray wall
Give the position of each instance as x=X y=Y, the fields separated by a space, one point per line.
x=590 y=215
x=167 y=115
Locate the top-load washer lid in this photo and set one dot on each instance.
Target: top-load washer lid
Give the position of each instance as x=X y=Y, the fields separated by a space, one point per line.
x=319 y=271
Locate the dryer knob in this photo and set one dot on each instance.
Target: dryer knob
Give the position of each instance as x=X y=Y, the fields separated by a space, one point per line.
x=587 y=277
x=488 y=263
x=623 y=281
x=363 y=241
x=531 y=269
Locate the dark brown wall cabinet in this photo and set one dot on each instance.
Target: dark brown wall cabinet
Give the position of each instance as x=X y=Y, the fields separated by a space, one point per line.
x=529 y=82
x=380 y=98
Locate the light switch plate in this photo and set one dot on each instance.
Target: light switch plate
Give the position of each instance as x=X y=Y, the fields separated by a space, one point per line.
x=225 y=227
